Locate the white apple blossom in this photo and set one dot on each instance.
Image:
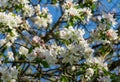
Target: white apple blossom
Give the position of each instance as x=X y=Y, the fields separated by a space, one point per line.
x=45 y=10
x=43 y=18
x=37 y=10
x=8 y=44
x=49 y=18
x=43 y=53
x=38 y=52
x=12 y=80
x=13 y=37
x=8 y=74
x=87 y=12
x=14 y=72
x=28 y=10
x=89 y=73
x=73 y=68
x=23 y=1
x=41 y=21
x=2 y=41
x=110 y=18
x=94 y=0
x=14 y=19
x=65 y=34
x=97 y=60
x=111 y=34
x=72 y=11
x=36 y=39
x=79 y=49
x=23 y=50
x=49 y=57
x=10 y=55
x=10 y=21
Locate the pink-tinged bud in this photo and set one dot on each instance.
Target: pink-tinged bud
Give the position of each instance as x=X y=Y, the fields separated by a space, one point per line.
x=69 y=4
x=36 y=39
x=108 y=34
x=111 y=34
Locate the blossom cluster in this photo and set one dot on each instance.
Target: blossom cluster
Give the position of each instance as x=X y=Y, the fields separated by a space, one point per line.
x=73 y=10
x=43 y=18
x=10 y=19
x=8 y=74
x=9 y=22
x=78 y=47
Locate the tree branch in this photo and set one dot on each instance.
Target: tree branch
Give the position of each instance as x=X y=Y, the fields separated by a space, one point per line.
x=114 y=65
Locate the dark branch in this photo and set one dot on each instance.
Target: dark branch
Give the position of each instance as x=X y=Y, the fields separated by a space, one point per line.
x=114 y=65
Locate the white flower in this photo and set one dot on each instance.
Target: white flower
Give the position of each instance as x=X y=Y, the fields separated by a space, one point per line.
x=68 y=33
x=31 y=56
x=23 y=50
x=49 y=18
x=40 y=21
x=28 y=10
x=12 y=80
x=23 y=1
x=13 y=37
x=105 y=42
x=97 y=60
x=89 y=72
x=36 y=39
x=43 y=18
x=99 y=18
x=63 y=34
x=94 y=0
x=88 y=12
x=2 y=41
x=73 y=68
x=10 y=19
x=72 y=11
x=10 y=55
x=45 y=10
x=8 y=44
x=14 y=72
x=37 y=9
x=110 y=18
x=49 y=57
x=78 y=49
x=8 y=74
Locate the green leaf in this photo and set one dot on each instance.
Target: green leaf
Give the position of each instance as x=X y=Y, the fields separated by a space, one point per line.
x=93 y=6
x=38 y=60
x=8 y=30
x=54 y=1
x=64 y=79
x=45 y=64
x=30 y=49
